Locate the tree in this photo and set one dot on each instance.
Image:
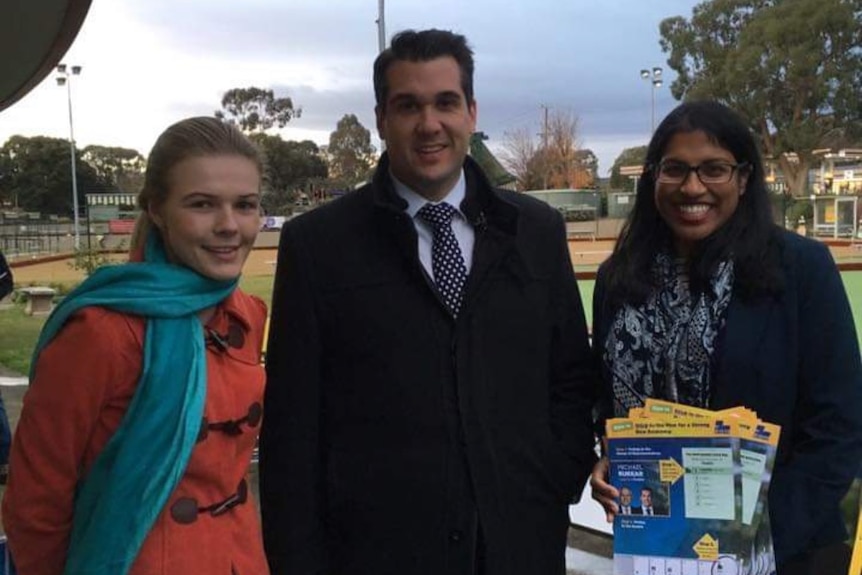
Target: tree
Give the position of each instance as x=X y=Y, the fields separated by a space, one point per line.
x=519 y=156
x=256 y=110
x=585 y=169
x=118 y=168
x=350 y=153
x=554 y=162
x=628 y=157
x=791 y=68
x=35 y=175
x=291 y=168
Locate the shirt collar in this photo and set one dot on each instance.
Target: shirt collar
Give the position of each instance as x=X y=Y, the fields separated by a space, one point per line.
x=415 y=202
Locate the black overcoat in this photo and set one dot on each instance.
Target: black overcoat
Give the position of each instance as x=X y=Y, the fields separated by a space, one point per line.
x=396 y=437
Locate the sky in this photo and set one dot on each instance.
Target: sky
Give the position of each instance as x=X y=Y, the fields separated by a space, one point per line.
x=148 y=63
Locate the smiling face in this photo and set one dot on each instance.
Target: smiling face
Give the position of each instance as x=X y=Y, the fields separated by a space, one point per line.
x=646 y=498
x=211 y=215
x=426 y=122
x=625 y=497
x=694 y=210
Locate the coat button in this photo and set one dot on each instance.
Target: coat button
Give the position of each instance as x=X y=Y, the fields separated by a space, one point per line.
x=185 y=510
x=235 y=335
x=455 y=536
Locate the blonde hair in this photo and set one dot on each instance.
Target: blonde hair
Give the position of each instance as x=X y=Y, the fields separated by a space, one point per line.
x=189 y=138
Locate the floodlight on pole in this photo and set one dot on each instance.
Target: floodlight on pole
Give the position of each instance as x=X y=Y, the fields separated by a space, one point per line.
x=654 y=77
x=64 y=76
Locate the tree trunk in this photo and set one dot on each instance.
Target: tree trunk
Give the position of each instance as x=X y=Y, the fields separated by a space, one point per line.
x=795 y=176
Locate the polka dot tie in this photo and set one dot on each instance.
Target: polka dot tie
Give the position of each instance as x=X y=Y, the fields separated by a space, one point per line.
x=447 y=261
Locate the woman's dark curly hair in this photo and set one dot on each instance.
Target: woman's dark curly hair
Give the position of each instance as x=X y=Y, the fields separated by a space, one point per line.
x=749 y=237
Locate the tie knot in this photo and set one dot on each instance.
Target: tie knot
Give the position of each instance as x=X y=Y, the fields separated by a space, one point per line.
x=437 y=215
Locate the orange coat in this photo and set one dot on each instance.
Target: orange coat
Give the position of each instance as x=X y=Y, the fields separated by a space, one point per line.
x=84 y=382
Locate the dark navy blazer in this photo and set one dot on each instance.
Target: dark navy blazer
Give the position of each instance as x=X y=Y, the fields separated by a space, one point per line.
x=795 y=360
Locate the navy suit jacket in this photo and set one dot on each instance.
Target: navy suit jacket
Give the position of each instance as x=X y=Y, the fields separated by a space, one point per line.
x=795 y=360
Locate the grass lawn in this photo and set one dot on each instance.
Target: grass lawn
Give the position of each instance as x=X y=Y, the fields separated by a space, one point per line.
x=261 y=286
x=18 y=335
x=18 y=332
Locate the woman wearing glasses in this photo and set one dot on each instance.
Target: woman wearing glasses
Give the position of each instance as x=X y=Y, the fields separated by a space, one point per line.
x=706 y=302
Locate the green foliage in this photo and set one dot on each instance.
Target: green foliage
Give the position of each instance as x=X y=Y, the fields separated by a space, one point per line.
x=89 y=260
x=350 y=153
x=118 y=168
x=35 y=175
x=291 y=168
x=628 y=157
x=799 y=208
x=791 y=68
x=256 y=110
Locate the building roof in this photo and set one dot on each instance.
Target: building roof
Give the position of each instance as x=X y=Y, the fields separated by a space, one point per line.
x=497 y=174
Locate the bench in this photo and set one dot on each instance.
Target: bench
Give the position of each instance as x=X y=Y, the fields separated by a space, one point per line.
x=40 y=300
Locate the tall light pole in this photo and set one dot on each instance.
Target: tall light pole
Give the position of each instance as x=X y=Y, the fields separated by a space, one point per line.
x=64 y=77
x=654 y=78
x=381 y=25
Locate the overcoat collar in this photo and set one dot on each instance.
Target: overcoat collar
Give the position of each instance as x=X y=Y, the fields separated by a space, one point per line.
x=483 y=205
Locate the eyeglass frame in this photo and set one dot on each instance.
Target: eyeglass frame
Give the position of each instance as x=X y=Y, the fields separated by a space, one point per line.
x=656 y=169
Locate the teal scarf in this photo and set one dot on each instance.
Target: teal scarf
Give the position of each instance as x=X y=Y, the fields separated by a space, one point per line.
x=117 y=503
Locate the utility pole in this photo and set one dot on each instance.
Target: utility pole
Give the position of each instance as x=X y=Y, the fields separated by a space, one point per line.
x=545 y=147
x=381 y=43
x=381 y=25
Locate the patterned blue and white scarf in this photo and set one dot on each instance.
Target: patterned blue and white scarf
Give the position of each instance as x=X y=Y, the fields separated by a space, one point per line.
x=663 y=347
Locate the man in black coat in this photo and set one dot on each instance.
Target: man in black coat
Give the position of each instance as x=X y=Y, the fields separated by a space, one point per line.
x=6 y=283
x=429 y=387
x=6 y=287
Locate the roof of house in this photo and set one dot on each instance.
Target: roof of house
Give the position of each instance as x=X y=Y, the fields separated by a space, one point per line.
x=497 y=174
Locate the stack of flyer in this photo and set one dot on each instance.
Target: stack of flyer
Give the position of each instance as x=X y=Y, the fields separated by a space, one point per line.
x=693 y=490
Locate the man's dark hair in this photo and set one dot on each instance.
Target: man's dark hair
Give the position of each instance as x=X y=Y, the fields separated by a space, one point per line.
x=423 y=46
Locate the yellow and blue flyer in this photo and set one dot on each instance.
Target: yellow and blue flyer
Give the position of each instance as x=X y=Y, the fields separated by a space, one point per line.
x=680 y=483
x=757 y=449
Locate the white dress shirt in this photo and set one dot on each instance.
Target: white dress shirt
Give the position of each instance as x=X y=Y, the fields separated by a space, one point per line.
x=461 y=227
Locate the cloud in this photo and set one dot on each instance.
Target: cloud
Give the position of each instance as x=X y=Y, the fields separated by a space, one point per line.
x=148 y=63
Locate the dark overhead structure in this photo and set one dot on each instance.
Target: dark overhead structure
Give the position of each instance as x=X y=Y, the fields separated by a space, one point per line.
x=34 y=36
x=497 y=174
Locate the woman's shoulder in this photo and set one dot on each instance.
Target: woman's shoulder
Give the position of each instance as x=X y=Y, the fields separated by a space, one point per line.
x=248 y=307
x=96 y=340
x=104 y=325
x=801 y=250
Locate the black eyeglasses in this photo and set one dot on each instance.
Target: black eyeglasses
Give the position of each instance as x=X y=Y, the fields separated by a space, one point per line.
x=671 y=172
